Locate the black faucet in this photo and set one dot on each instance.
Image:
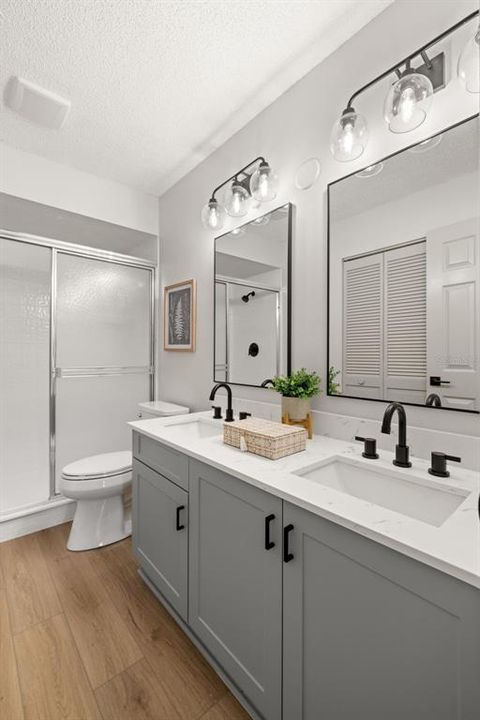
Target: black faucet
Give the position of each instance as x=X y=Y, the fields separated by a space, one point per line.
x=401 y=449
x=229 y=413
x=266 y=382
x=433 y=400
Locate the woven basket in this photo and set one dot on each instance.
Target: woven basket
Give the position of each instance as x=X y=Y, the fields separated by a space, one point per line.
x=262 y=437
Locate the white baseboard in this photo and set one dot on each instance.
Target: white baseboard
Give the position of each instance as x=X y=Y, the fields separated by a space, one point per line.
x=33 y=519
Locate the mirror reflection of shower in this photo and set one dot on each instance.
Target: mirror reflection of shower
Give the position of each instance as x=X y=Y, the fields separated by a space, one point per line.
x=242 y=327
x=252 y=300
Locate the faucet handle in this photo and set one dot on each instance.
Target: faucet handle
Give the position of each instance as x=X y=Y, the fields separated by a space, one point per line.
x=369 y=447
x=244 y=415
x=217 y=412
x=439 y=464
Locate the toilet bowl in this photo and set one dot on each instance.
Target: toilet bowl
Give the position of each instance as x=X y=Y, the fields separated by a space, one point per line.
x=99 y=483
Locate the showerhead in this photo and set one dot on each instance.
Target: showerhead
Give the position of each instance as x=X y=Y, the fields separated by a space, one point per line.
x=246 y=297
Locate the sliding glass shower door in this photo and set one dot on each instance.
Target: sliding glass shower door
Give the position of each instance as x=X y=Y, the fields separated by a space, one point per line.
x=25 y=286
x=102 y=349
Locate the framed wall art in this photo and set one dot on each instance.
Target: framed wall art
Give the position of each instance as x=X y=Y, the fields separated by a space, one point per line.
x=179 y=316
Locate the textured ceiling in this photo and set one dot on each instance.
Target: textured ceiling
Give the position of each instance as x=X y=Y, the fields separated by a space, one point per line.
x=157 y=85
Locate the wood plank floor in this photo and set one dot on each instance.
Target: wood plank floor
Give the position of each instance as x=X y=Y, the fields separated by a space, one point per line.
x=83 y=638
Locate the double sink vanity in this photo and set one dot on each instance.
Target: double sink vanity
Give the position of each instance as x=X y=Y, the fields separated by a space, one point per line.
x=317 y=584
x=337 y=583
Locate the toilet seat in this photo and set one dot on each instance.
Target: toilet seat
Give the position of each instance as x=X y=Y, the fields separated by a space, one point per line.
x=96 y=467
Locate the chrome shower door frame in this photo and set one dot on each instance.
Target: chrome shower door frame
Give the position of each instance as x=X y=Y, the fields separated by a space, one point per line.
x=61 y=247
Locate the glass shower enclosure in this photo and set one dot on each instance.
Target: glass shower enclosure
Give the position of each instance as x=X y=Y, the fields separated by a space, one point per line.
x=76 y=357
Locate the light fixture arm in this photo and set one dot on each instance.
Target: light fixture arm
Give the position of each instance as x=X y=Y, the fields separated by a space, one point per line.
x=406 y=61
x=239 y=172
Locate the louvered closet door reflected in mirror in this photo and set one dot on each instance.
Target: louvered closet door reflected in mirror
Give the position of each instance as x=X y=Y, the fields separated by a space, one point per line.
x=384 y=324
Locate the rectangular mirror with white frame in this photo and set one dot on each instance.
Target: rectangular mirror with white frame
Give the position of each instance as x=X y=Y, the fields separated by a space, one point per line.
x=252 y=300
x=404 y=276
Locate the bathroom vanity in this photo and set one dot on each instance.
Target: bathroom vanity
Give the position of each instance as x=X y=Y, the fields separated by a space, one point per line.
x=308 y=598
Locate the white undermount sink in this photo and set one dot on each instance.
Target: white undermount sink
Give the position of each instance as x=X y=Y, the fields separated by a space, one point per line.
x=413 y=497
x=196 y=429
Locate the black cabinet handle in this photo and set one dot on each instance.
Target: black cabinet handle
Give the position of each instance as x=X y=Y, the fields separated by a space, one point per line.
x=269 y=544
x=436 y=381
x=287 y=556
x=178 y=524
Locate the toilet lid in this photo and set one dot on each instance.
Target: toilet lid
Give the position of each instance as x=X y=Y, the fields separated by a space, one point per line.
x=95 y=466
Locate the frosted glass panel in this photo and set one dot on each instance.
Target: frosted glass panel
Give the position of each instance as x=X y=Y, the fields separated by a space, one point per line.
x=24 y=374
x=103 y=314
x=92 y=414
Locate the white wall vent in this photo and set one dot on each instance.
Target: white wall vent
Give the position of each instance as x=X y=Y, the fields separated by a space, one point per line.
x=36 y=104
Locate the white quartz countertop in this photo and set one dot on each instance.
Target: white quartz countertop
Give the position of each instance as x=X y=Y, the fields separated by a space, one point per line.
x=453 y=547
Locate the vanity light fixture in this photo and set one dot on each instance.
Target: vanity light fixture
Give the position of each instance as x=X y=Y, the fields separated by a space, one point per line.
x=254 y=184
x=410 y=97
x=213 y=215
x=468 y=68
x=408 y=100
x=237 y=200
x=264 y=183
x=349 y=135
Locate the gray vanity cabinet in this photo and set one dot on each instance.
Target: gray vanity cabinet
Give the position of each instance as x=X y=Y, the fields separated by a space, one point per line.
x=160 y=533
x=235 y=606
x=368 y=628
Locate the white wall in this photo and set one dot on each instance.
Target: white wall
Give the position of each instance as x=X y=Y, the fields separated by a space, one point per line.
x=34 y=178
x=297 y=126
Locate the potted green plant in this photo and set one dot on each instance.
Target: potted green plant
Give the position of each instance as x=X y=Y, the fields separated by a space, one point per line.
x=296 y=390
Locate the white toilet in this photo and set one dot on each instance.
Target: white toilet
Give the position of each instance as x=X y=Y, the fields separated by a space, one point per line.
x=98 y=484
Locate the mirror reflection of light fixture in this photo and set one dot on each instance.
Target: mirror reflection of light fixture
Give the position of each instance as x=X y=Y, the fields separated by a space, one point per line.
x=238 y=231
x=263 y=220
x=370 y=171
x=349 y=136
x=247 y=188
x=426 y=144
x=468 y=68
x=410 y=97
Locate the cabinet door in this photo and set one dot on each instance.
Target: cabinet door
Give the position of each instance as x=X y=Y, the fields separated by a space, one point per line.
x=370 y=633
x=160 y=533
x=236 y=582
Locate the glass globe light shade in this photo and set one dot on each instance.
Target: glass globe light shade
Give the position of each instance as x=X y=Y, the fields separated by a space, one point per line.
x=237 y=200
x=408 y=102
x=264 y=183
x=349 y=136
x=468 y=68
x=213 y=215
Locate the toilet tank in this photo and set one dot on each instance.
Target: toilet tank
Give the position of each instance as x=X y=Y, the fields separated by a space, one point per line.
x=160 y=408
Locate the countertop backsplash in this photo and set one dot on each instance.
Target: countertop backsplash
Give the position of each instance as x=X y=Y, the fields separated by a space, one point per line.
x=422 y=441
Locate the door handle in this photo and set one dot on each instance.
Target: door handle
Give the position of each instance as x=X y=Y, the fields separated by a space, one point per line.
x=178 y=524
x=436 y=381
x=269 y=544
x=287 y=555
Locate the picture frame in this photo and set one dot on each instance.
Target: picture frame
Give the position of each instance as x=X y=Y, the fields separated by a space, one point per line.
x=179 y=316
